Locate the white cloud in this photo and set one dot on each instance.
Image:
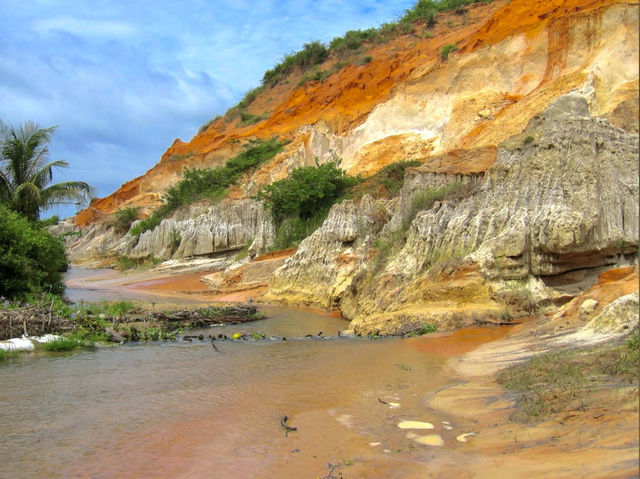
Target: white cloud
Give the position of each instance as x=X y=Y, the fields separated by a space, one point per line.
x=85 y=27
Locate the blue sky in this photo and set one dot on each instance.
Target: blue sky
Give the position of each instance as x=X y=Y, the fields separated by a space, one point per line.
x=122 y=80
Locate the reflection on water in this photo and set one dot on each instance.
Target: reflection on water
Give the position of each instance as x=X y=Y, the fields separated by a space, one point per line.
x=94 y=285
x=184 y=410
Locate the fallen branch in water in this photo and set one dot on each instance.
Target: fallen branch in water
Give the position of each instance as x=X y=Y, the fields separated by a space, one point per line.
x=288 y=429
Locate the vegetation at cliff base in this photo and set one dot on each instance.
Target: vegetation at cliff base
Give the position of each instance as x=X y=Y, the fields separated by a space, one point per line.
x=211 y=183
x=302 y=201
x=31 y=260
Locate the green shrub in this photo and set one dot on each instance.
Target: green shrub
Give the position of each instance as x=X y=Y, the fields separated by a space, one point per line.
x=255 y=153
x=308 y=189
x=427 y=10
x=529 y=139
x=150 y=222
x=249 y=118
x=249 y=97
x=31 y=259
x=424 y=10
x=210 y=183
x=366 y=60
x=315 y=74
x=301 y=202
x=444 y=53
x=353 y=39
x=312 y=54
x=126 y=216
x=388 y=30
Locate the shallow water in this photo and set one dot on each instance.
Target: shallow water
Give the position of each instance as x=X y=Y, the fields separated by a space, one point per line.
x=183 y=409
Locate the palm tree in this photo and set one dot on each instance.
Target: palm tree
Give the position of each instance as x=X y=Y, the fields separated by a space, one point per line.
x=25 y=172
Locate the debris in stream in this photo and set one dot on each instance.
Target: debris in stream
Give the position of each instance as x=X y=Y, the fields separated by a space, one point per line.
x=287 y=428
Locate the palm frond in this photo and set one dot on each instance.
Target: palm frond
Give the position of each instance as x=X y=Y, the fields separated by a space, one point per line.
x=68 y=192
x=25 y=171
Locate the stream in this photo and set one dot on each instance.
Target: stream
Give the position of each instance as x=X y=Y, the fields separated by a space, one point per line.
x=183 y=409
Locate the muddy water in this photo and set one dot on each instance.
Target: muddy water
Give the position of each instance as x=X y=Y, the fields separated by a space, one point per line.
x=184 y=410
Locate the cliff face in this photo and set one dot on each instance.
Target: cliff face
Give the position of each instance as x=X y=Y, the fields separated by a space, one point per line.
x=528 y=132
x=561 y=197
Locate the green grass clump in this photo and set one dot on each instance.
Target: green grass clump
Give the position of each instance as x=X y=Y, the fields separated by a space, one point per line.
x=249 y=118
x=426 y=328
x=64 y=343
x=4 y=355
x=447 y=49
x=423 y=199
x=551 y=383
x=210 y=183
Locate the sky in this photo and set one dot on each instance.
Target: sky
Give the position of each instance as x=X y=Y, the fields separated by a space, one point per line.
x=121 y=80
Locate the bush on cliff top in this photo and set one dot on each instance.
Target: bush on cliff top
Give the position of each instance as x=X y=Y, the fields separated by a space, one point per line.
x=315 y=53
x=31 y=260
x=427 y=10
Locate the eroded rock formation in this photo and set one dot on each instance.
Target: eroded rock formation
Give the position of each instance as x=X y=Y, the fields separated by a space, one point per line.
x=562 y=196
